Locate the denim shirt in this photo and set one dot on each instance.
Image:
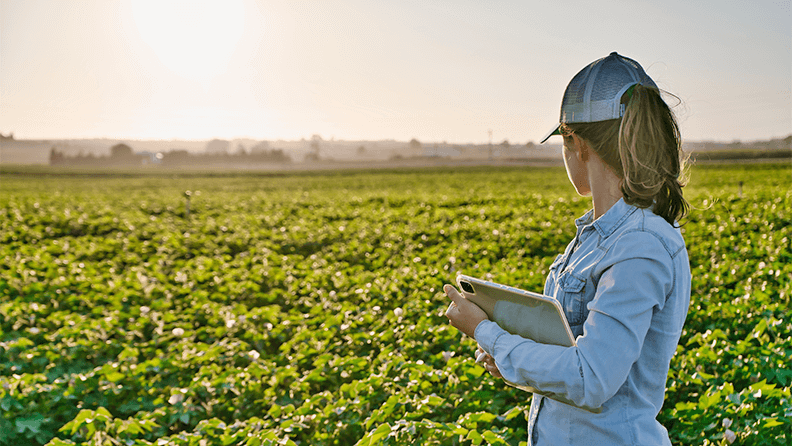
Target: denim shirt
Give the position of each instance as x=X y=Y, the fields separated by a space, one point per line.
x=624 y=283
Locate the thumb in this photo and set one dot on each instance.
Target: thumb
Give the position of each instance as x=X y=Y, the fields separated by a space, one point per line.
x=453 y=294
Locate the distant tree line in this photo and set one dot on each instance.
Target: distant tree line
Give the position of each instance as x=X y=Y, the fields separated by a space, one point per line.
x=122 y=155
x=185 y=158
x=779 y=148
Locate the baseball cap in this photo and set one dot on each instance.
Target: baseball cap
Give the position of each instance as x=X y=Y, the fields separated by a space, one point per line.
x=595 y=93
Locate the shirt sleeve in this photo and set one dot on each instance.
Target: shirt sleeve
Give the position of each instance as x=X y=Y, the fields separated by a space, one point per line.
x=634 y=283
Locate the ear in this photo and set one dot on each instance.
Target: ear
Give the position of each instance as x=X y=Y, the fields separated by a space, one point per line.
x=582 y=148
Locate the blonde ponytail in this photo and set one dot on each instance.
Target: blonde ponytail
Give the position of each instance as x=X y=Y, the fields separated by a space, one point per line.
x=643 y=147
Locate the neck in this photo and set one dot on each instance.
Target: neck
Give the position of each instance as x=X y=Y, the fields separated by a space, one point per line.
x=604 y=183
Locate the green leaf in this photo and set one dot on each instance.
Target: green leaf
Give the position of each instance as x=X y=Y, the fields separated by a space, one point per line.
x=514 y=412
x=114 y=376
x=458 y=430
x=59 y=442
x=474 y=437
x=128 y=353
x=274 y=411
x=381 y=432
x=685 y=406
x=32 y=423
x=771 y=422
x=493 y=439
x=103 y=414
x=483 y=417
x=131 y=426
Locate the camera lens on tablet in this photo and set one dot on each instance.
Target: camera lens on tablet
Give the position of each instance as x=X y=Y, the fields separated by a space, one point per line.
x=467 y=287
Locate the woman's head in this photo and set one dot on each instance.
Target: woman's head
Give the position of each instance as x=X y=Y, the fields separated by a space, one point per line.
x=617 y=109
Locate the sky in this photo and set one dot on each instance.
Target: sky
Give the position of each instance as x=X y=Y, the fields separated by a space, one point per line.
x=372 y=70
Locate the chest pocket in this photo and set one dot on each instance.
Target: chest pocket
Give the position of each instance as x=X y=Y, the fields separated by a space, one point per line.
x=572 y=297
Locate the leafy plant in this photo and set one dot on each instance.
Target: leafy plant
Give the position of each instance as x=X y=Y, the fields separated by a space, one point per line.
x=307 y=308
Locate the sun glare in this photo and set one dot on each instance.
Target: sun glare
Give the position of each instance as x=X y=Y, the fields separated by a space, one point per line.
x=194 y=38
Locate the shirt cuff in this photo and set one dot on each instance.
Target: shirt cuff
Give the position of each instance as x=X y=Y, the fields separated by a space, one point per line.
x=486 y=334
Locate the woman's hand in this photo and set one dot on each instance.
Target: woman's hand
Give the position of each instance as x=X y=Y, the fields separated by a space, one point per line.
x=463 y=314
x=488 y=362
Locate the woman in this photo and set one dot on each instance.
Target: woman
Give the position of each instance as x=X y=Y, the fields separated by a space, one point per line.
x=623 y=281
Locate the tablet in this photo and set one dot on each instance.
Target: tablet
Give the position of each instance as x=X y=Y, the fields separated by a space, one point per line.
x=530 y=315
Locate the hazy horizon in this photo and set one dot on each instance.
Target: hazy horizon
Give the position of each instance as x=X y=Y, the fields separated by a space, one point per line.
x=360 y=71
x=339 y=140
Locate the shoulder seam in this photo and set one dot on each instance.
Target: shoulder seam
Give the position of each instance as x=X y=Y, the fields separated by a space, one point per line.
x=657 y=235
x=659 y=238
x=671 y=255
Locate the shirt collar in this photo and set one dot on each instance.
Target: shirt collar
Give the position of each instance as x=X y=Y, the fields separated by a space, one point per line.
x=608 y=222
x=585 y=219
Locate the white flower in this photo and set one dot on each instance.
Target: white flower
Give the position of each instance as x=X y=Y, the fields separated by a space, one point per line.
x=178 y=331
x=254 y=354
x=447 y=356
x=230 y=323
x=144 y=310
x=398 y=312
x=176 y=398
x=729 y=436
x=34 y=330
x=726 y=423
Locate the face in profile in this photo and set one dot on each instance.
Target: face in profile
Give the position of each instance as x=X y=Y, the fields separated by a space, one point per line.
x=576 y=169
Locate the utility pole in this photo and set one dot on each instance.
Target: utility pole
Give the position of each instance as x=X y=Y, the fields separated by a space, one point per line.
x=489 y=132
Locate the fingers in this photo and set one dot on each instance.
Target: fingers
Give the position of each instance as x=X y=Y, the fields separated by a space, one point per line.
x=488 y=362
x=452 y=293
x=491 y=367
x=482 y=356
x=463 y=314
x=493 y=370
x=451 y=308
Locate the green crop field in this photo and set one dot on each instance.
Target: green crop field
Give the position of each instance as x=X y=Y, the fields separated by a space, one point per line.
x=307 y=308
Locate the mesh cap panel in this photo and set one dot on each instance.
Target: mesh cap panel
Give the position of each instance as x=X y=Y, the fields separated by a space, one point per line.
x=610 y=80
x=594 y=94
x=575 y=93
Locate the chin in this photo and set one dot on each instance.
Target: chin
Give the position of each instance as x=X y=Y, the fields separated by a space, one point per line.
x=583 y=192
